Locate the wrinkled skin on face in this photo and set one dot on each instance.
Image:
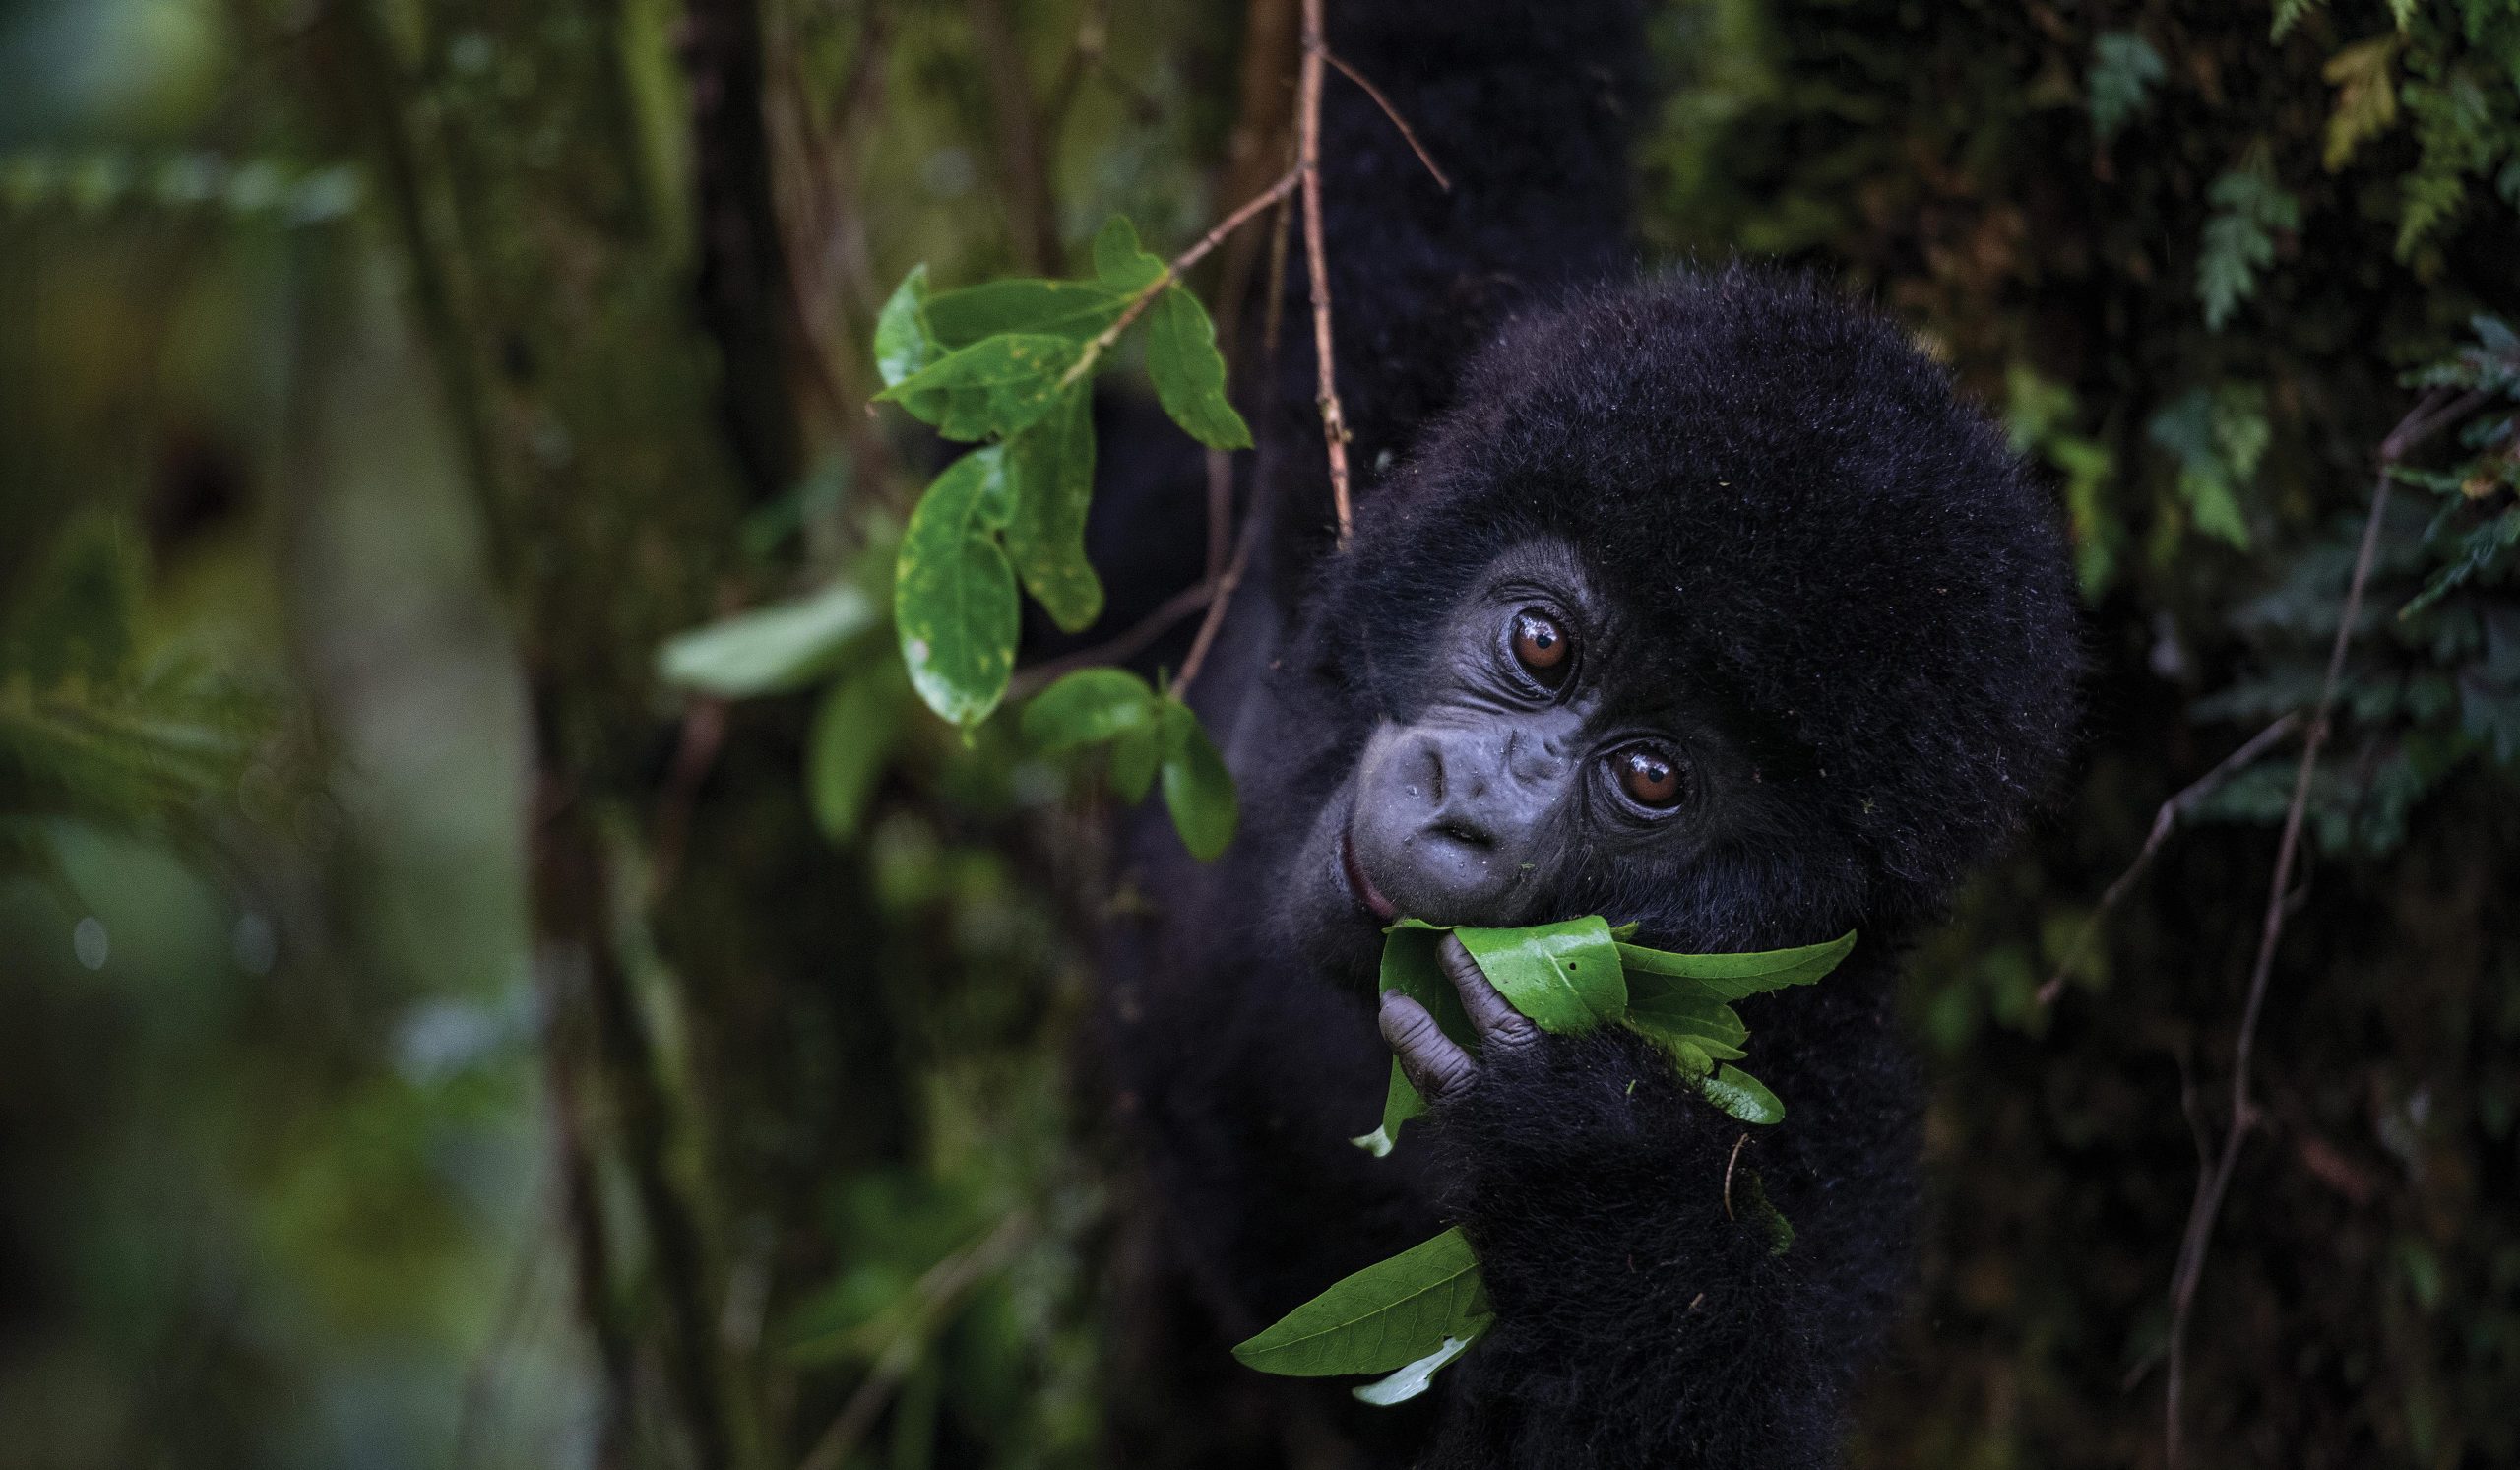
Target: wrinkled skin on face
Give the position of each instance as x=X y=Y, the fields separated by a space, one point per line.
x=1531 y=761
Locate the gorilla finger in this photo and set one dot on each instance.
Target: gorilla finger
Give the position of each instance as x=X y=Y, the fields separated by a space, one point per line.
x=1433 y=1062
x=1493 y=1016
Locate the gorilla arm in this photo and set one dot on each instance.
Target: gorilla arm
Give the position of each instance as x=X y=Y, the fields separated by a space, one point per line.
x=1643 y=1318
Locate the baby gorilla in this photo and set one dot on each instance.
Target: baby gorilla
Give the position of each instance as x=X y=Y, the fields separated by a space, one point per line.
x=1707 y=607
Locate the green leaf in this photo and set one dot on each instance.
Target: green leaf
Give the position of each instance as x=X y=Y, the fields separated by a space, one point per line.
x=1087 y=707
x=2249 y=207
x=1409 y=966
x=1731 y=977
x=768 y=648
x=1565 y=977
x=1135 y=756
x=1119 y=261
x=1389 y=1315
x=1190 y=374
x=854 y=730
x=1412 y=1380
x=2124 y=68
x=954 y=595
x=999 y=385
x=1051 y=468
x=1763 y=1216
x=1197 y=788
x=903 y=345
x=1076 y=309
x=1743 y=1096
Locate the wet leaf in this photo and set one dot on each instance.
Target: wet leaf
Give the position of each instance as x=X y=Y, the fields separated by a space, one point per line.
x=1743 y=1096
x=1392 y=1315
x=999 y=385
x=954 y=601
x=1190 y=374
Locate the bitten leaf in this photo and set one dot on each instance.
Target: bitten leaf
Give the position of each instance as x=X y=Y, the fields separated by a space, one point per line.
x=1197 y=788
x=1565 y=977
x=1391 y=1315
x=903 y=345
x=1051 y=468
x=1189 y=373
x=954 y=601
x=999 y=385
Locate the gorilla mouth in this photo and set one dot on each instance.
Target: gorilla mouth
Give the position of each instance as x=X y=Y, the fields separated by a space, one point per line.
x=1366 y=894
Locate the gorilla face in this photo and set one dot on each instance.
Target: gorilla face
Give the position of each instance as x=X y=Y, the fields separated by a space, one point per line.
x=1535 y=762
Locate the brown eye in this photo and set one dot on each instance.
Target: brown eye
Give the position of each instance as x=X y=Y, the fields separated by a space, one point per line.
x=1541 y=646
x=1648 y=777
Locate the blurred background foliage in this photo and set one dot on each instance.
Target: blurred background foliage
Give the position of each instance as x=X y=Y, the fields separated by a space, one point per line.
x=459 y=1014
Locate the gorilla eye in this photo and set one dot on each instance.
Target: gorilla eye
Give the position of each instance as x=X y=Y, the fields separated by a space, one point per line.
x=1650 y=778
x=1541 y=646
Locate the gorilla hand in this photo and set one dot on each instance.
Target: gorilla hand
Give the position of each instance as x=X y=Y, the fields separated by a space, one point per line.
x=1440 y=1067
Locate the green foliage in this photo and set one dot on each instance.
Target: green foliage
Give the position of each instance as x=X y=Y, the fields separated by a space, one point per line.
x=2249 y=210
x=2218 y=438
x=1149 y=733
x=1412 y=1312
x=2125 y=69
x=769 y=650
x=954 y=606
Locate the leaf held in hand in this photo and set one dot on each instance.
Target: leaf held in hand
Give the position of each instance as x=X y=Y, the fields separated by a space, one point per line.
x=1391 y=1315
x=1409 y=966
x=1739 y=1093
x=1050 y=470
x=1189 y=373
x=1197 y=788
x=998 y=385
x=954 y=601
x=1412 y=1381
x=1731 y=977
x=903 y=345
x=1565 y=977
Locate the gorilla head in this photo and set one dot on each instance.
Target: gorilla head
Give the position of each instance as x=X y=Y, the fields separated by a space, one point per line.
x=1707 y=606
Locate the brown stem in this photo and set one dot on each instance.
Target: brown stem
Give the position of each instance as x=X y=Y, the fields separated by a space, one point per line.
x=2436 y=411
x=1104 y=339
x=1333 y=418
x=2163 y=820
x=1018 y=139
x=1117 y=650
x=1221 y=596
x=1407 y=134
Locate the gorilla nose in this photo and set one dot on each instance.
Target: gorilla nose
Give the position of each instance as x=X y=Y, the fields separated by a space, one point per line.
x=1442 y=829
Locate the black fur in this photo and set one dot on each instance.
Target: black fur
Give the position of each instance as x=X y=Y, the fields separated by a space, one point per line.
x=1818 y=532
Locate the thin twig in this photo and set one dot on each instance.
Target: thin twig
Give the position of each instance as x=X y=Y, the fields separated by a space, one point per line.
x=1737 y=1145
x=1333 y=418
x=2163 y=820
x=1220 y=597
x=1104 y=339
x=1407 y=133
x=2213 y=1183
x=1119 y=648
x=936 y=1295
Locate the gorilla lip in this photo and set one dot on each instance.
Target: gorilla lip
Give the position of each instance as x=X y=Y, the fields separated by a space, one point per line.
x=1361 y=885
